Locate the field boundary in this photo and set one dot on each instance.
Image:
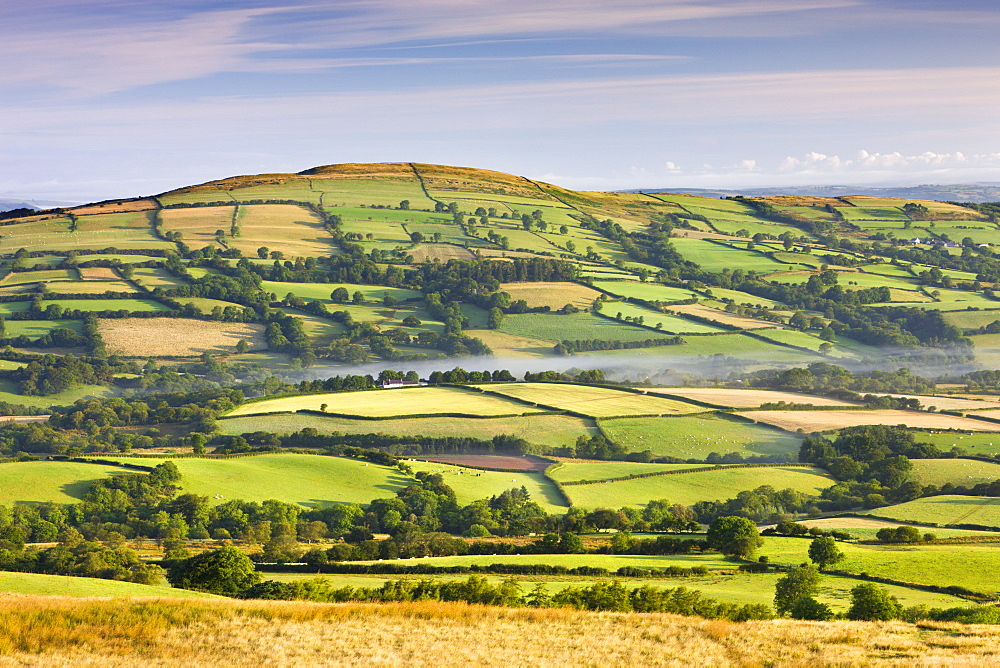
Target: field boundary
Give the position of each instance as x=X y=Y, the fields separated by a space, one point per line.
x=707 y=467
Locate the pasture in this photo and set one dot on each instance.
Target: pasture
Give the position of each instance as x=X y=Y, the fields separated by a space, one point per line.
x=572 y=470
x=109 y=304
x=152 y=277
x=974 y=444
x=689 y=488
x=36 y=584
x=390 y=403
x=650 y=292
x=545 y=430
x=8 y=393
x=157 y=337
x=557 y=327
x=672 y=324
x=697 y=436
x=473 y=484
x=322 y=291
x=307 y=480
x=967 y=472
x=944 y=510
x=810 y=421
x=57 y=482
x=592 y=401
x=713 y=256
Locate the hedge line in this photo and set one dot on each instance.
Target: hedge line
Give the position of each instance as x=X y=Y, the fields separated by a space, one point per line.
x=710 y=467
x=497 y=569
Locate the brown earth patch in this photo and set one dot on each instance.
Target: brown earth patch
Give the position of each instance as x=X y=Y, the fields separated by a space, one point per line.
x=98 y=273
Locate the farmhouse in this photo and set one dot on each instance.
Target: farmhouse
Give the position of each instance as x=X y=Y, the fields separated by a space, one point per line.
x=388 y=384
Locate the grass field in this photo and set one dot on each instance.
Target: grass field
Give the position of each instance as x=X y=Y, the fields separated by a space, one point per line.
x=975 y=444
x=672 y=324
x=648 y=291
x=971 y=319
x=321 y=291
x=383 y=403
x=8 y=393
x=810 y=421
x=929 y=564
x=36 y=584
x=59 y=482
x=109 y=304
x=293 y=230
x=548 y=430
x=557 y=328
x=689 y=488
x=592 y=401
x=716 y=257
x=155 y=337
x=734 y=398
x=308 y=480
x=151 y=277
x=697 y=436
x=966 y=472
x=36 y=328
x=569 y=470
x=945 y=509
x=511 y=345
x=473 y=484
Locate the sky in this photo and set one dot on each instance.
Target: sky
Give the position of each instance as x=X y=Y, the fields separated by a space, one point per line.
x=117 y=98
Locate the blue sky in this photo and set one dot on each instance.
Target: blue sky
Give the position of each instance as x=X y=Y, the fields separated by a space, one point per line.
x=109 y=98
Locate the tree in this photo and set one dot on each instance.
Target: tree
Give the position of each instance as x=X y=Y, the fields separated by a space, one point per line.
x=404 y=205
x=358 y=297
x=340 y=295
x=570 y=543
x=800 y=582
x=495 y=318
x=263 y=252
x=735 y=536
x=226 y=571
x=824 y=551
x=242 y=346
x=870 y=603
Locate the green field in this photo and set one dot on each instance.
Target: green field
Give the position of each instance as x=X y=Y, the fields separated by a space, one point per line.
x=930 y=564
x=697 y=436
x=569 y=470
x=385 y=403
x=592 y=401
x=966 y=472
x=650 y=292
x=974 y=444
x=716 y=257
x=555 y=327
x=972 y=319
x=547 y=430
x=8 y=393
x=36 y=584
x=672 y=324
x=36 y=328
x=945 y=509
x=109 y=304
x=689 y=488
x=474 y=484
x=308 y=480
x=321 y=291
x=58 y=482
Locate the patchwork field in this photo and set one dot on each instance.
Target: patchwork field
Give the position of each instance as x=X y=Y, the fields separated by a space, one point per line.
x=672 y=324
x=811 y=421
x=716 y=257
x=398 y=402
x=718 y=315
x=548 y=430
x=734 y=398
x=697 y=436
x=157 y=337
x=689 y=488
x=651 y=292
x=592 y=401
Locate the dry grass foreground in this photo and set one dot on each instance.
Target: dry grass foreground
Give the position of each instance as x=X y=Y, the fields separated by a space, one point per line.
x=165 y=337
x=52 y=631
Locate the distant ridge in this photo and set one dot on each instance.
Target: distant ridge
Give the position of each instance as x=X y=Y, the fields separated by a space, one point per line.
x=966 y=192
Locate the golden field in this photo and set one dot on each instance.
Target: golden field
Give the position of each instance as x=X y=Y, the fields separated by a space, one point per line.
x=53 y=631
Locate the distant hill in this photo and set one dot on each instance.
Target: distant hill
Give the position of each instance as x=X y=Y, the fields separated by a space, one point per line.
x=964 y=192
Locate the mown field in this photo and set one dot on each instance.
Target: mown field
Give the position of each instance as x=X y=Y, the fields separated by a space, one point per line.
x=735 y=398
x=387 y=403
x=697 y=436
x=593 y=401
x=689 y=488
x=548 y=430
x=158 y=336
